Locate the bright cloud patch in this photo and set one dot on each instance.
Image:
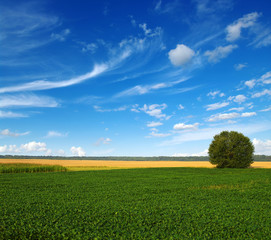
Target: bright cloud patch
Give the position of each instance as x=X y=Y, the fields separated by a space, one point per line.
x=234 y=30
x=227 y=116
x=181 y=55
x=215 y=106
x=238 y=99
x=78 y=151
x=28 y=148
x=262 y=93
x=183 y=126
x=250 y=83
x=219 y=53
x=262 y=147
x=154 y=124
x=155 y=110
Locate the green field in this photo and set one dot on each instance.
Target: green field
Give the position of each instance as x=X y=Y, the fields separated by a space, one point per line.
x=29 y=168
x=165 y=203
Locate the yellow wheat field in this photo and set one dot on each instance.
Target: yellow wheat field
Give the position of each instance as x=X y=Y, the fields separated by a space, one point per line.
x=100 y=164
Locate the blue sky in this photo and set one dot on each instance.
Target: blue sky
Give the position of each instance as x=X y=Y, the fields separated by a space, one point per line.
x=133 y=78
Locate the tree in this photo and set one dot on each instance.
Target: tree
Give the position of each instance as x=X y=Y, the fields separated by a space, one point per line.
x=231 y=150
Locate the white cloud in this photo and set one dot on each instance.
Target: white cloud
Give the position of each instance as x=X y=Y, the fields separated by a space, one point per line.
x=9 y=114
x=240 y=66
x=78 y=151
x=34 y=147
x=51 y=134
x=213 y=94
x=27 y=100
x=238 y=99
x=239 y=109
x=250 y=83
x=61 y=36
x=223 y=116
x=234 y=30
x=248 y=114
x=180 y=107
x=9 y=149
x=227 y=116
x=154 y=110
x=219 y=53
x=262 y=93
x=181 y=55
x=262 y=147
x=215 y=106
x=266 y=78
x=183 y=126
x=154 y=124
x=103 y=141
x=6 y=132
x=203 y=153
x=149 y=32
x=216 y=93
x=43 y=85
x=28 y=148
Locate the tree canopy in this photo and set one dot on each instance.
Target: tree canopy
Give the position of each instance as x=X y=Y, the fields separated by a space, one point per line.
x=231 y=150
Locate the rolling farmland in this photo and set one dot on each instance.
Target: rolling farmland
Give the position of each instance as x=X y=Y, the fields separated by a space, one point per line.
x=151 y=203
x=89 y=164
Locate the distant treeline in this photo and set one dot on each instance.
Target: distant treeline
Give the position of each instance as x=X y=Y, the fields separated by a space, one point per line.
x=161 y=158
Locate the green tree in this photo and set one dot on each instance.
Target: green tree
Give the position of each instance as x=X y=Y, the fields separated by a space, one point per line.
x=231 y=150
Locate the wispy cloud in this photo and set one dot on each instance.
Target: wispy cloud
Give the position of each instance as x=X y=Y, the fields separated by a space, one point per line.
x=27 y=100
x=9 y=114
x=216 y=93
x=144 y=89
x=7 y=132
x=219 y=53
x=154 y=124
x=247 y=21
x=209 y=133
x=227 y=116
x=215 y=106
x=52 y=134
x=43 y=84
x=22 y=25
x=103 y=141
x=240 y=66
x=262 y=93
x=119 y=109
x=61 y=36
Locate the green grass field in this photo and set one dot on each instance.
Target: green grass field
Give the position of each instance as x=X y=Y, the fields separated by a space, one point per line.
x=165 y=203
